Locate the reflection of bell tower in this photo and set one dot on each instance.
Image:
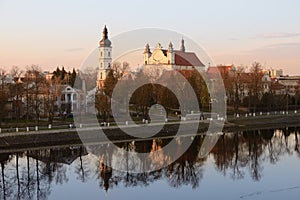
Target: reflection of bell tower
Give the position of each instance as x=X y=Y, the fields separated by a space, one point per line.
x=105 y=58
x=106 y=174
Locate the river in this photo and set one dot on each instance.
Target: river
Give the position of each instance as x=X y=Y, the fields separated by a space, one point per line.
x=254 y=164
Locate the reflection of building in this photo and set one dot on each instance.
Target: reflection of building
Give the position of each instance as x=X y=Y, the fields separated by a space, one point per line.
x=170 y=58
x=105 y=58
x=63 y=155
x=105 y=173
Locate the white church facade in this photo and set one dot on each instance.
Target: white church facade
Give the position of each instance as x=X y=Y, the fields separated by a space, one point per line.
x=171 y=59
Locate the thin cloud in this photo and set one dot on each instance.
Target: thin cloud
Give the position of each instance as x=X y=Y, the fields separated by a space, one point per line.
x=278 y=35
x=276 y=46
x=74 y=49
x=283 y=45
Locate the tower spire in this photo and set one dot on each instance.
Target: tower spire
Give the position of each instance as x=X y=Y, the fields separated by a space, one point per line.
x=182 y=47
x=105 y=33
x=147 y=48
x=105 y=42
x=170 y=49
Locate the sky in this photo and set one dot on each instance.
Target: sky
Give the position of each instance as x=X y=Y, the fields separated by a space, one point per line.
x=55 y=33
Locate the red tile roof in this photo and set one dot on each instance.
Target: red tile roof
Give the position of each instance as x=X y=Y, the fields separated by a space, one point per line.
x=187 y=59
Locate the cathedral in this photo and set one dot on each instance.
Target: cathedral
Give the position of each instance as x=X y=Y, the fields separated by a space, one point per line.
x=164 y=59
x=171 y=59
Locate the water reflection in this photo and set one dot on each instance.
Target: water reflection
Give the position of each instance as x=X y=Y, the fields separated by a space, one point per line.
x=32 y=174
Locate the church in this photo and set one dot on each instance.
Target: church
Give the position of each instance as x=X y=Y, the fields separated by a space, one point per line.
x=171 y=59
x=164 y=59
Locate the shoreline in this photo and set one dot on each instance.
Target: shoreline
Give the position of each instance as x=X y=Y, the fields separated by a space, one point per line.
x=38 y=139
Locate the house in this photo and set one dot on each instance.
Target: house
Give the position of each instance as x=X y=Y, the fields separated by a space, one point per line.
x=71 y=100
x=290 y=84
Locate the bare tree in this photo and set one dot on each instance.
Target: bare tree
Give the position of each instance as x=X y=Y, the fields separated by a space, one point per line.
x=34 y=82
x=17 y=91
x=3 y=95
x=256 y=86
x=51 y=92
x=120 y=69
x=237 y=84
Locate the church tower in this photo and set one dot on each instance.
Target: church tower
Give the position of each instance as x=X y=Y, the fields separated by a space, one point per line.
x=182 y=47
x=105 y=58
x=170 y=54
x=147 y=54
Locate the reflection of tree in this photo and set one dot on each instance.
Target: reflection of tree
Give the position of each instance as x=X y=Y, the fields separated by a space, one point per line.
x=297 y=143
x=237 y=172
x=81 y=169
x=231 y=153
x=188 y=168
x=223 y=153
x=3 y=180
x=4 y=158
x=255 y=151
x=18 y=177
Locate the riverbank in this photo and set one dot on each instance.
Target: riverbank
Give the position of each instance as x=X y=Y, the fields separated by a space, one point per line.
x=37 y=139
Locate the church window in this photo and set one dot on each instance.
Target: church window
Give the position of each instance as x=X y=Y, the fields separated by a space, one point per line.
x=146 y=62
x=168 y=61
x=101 y=53
x=108 y=54
x=101 y=65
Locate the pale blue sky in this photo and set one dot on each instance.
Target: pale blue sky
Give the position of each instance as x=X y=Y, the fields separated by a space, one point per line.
x=56 y=32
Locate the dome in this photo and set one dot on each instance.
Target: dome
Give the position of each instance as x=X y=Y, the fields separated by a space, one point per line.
x=105 y=42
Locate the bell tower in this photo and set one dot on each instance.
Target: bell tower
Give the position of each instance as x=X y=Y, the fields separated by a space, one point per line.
x=105 y=58
x=147 y=54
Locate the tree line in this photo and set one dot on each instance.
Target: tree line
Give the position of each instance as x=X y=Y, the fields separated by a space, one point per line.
x=26 y=96
x=149 y=94
x=246 y=91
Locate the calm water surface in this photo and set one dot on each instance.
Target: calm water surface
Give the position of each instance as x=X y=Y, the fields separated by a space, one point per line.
x=243 y=165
